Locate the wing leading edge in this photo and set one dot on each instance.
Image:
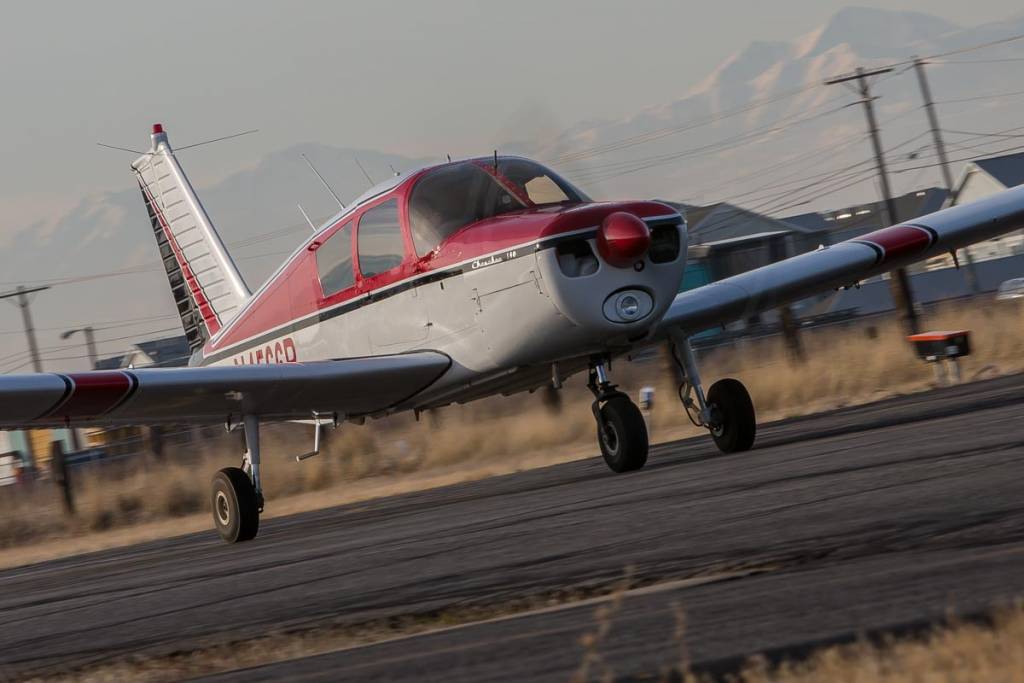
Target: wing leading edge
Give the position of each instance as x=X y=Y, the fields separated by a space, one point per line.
x=349 y=387
x=845 y=263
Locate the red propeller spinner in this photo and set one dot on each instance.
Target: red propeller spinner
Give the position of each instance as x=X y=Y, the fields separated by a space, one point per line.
x=623 y=239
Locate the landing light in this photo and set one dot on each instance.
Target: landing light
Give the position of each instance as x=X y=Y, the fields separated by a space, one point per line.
x=628 y=306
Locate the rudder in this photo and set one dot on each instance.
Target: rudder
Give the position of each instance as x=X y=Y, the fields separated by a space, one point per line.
x=207 y=287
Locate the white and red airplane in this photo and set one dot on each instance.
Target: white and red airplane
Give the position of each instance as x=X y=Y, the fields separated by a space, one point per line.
x=448 y=284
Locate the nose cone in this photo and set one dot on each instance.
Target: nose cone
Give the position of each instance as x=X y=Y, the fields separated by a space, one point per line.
x=623 y=239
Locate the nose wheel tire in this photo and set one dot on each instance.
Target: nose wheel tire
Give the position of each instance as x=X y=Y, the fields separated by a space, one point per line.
x=236 y=512
x=622 y=434
x=733 y=424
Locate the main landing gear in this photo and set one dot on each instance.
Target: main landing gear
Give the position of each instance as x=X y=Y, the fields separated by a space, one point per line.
x=238 y=493
x=621 y=430
x=727 y=411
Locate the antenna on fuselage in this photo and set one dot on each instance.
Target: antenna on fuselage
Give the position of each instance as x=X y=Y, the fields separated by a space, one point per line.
x=392 y=167
x=368 y=178
x=306 y=216
x=449 y=158
x=495 y=162
x=329 y=188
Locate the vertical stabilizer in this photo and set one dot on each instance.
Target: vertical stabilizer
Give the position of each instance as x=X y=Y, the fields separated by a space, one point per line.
x=207 y=287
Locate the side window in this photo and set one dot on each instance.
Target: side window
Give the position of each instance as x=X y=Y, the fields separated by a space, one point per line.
x=334 y=262
x=380 y=239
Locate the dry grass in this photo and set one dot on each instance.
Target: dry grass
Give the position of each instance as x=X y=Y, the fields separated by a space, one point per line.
x=957 y=653
x=496 y=436
x=989 y=650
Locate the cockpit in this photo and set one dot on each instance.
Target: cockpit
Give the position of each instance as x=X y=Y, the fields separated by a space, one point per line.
x=450 y=197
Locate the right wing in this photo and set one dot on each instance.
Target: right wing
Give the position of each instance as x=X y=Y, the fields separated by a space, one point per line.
x=290 y=391
x=845 y=263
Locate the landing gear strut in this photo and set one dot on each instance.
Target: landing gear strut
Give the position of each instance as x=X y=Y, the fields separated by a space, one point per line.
x=238 y=493
x=621 y=430
x=727 y=411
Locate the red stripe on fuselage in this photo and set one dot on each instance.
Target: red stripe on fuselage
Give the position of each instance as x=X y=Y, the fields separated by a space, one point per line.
x=94 y=394
x=295 y=292
x=898 y=241
x=198 y=295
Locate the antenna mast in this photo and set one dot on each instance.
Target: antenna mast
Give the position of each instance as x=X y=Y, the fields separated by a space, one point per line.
x=306 y=216
x=368 y=178
x=326 y=185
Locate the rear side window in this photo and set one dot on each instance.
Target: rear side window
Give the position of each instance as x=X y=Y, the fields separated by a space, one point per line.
x=334 y=262
x=380 y=239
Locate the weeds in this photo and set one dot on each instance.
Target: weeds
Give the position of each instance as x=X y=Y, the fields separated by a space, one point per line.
x=852 y=364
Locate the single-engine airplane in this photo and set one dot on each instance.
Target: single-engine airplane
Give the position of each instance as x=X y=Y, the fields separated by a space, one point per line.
x=447 y=284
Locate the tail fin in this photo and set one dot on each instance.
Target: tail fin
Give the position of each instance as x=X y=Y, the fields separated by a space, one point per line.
x=207 y=287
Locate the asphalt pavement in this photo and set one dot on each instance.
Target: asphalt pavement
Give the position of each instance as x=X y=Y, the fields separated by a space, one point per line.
x=875 y=518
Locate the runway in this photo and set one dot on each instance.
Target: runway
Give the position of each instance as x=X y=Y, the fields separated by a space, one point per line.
x=878 y=517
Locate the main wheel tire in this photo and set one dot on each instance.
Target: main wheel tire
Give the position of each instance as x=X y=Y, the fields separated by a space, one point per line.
x=623 y=437
x=733 y=413
x=236 y=513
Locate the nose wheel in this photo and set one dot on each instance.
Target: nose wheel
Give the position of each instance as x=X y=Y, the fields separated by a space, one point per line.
x=733 y=425
x=621 y=430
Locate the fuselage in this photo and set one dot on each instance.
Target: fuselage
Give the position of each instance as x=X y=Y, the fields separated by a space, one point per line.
x=499 y=269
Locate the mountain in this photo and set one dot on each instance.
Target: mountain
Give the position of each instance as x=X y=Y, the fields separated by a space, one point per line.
x=767 y=104
x=253 y=209
x=760 y=131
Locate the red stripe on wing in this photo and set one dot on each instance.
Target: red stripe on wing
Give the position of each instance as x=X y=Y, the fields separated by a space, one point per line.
x=899 y=241
x=95 y=393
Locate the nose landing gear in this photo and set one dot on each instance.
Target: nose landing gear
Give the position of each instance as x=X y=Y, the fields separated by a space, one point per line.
x=621 y=430
x=727 y=411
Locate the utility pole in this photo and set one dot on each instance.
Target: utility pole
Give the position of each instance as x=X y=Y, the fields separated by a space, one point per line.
x=26 y=316
x=899 y=282
x=90 y=343
x=940 y=150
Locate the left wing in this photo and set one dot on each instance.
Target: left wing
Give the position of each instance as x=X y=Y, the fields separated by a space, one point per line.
x=845 y=263
x=291 y=391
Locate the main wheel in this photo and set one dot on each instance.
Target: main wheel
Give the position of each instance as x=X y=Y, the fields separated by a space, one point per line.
x=732 y=412
x=236 y=512
x=623 y=436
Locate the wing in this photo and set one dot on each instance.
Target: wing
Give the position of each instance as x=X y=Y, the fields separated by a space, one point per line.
x=349 y=387
x=845 y=263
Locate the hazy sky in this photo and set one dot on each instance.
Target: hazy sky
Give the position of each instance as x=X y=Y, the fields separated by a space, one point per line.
x=409 y=77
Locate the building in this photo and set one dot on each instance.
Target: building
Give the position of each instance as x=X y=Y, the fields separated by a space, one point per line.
x=840 y=225
x=729 y=240
x=157 y=353
x=985 y=177
x=168 y=352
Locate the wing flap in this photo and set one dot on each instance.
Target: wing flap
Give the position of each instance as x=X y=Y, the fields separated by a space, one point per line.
x=352 y=387
x=845 y=263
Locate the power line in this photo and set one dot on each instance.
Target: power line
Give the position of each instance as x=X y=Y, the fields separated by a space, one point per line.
x=619 y=169
x=969 y=158
x=672 y=130
x=978 y=61
x=23 y=303
x=976 y=98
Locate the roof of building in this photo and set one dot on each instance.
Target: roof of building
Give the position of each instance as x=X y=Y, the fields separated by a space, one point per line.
x=166 y=352
x=722 y=221
x=113 y=363
x=872 y=214
x=160 y=353
x=1007 y=169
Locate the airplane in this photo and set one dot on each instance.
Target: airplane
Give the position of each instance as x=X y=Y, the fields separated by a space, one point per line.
x=442 y=285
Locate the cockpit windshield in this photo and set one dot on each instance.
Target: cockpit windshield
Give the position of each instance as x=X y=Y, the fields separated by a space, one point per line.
x=450 y=197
